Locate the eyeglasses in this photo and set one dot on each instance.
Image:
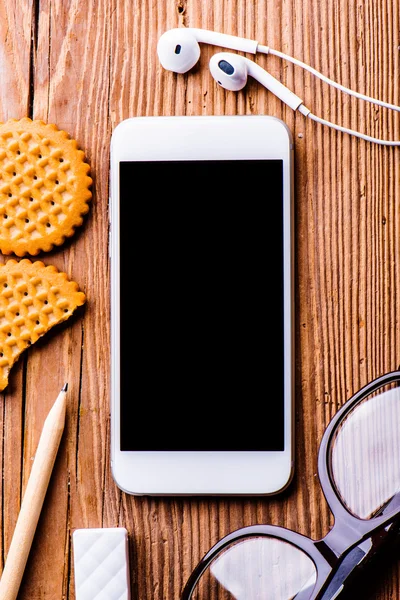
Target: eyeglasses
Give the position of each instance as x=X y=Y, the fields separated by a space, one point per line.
x=359 y=472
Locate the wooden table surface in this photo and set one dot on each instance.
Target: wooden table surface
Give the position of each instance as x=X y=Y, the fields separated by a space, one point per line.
x=85 y=66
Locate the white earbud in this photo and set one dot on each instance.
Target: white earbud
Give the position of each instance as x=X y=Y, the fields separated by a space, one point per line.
x=178 y=49
x=231 y=71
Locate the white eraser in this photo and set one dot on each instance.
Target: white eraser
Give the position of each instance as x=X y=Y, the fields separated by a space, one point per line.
x=101 y=564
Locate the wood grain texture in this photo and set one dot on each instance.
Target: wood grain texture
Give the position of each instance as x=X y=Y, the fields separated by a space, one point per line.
x=85 y=66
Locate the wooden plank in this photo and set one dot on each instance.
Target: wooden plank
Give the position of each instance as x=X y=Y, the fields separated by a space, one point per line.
x=71 y=88
x=16 y=26
x=16 y=31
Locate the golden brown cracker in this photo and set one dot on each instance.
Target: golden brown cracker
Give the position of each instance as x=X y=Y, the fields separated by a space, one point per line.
x=33 y=298
x=44 y=186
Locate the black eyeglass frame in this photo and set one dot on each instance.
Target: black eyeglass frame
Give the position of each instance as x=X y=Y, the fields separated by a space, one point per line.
x=348 y=530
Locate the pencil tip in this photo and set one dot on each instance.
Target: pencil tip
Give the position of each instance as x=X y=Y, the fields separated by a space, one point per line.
x=65 y=387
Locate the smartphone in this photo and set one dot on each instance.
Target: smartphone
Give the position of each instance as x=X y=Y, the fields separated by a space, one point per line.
x=202 y=349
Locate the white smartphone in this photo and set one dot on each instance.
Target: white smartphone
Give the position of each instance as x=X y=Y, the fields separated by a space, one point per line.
x=202 y=350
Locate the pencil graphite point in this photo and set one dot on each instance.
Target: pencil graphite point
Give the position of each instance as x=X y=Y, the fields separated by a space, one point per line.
x=65 y=387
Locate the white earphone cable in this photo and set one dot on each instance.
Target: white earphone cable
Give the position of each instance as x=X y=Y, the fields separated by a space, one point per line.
x=305 y=111
x=299 y=63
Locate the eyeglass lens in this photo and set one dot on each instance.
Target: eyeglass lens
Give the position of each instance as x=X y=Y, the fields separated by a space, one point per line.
x=258 y=568
x=365 y=453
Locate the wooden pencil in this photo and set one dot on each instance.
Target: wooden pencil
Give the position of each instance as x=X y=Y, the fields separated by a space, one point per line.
x=33 y=498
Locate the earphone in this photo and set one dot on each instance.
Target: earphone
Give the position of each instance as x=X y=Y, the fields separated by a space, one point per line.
x=231 y=71
x=179 y=50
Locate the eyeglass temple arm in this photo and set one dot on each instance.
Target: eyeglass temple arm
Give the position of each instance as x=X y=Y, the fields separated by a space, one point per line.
x=347 y=567
x=354 y=559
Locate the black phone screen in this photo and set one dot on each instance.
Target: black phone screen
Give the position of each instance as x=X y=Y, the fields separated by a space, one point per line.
x=201 y=308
